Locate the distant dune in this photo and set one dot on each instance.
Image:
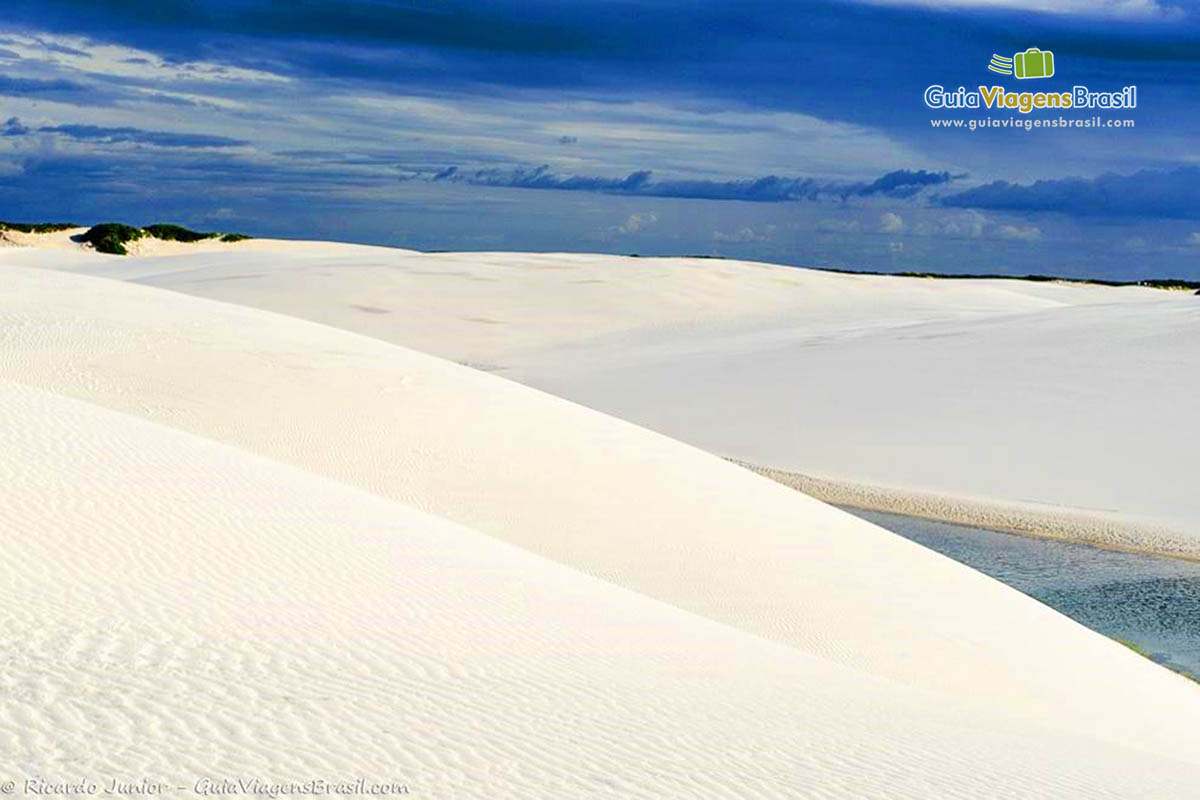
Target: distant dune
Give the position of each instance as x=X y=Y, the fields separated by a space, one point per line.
x=1062 y=408
x=238 y=540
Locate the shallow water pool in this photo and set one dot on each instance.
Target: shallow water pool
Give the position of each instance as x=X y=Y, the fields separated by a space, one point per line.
x=1147 y=601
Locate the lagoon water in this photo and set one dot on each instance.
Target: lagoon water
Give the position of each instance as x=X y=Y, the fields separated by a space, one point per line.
x=1147 y=601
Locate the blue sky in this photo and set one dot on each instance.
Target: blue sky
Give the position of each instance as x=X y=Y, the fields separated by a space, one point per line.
x=767 y=129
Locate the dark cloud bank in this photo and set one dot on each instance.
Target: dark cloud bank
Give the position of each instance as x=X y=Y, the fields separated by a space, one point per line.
x=96 y=133
x=769 y=189
x=1147 y=194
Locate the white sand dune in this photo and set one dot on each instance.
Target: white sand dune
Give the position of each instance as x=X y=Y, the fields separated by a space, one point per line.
x=1041 y=407
x=150 y=246
x=998 y=694
x=177 y=610
x=1081 y=410
x=464 y=306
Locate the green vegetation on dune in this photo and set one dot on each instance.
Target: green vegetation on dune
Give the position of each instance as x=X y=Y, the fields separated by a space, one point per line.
x=1172 y=284
x=177 y=233
x=111 y=237
x=37 y=227
x=1177 y=284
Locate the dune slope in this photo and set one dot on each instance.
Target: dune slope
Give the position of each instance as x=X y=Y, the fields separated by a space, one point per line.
x=177 y=610
x=611 y=499
x=1080 y=410
x=1058 y=408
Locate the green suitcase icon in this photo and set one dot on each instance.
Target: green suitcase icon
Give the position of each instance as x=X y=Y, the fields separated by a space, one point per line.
x=1034 y=63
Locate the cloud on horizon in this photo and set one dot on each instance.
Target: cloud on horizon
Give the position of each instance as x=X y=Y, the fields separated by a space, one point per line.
x=1085 y=8
x=13 y=127
x=97 y=133
x=902 y=183
x=21 y=87
x=1168 y=194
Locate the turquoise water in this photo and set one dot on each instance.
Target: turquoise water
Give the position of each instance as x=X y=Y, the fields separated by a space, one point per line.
x=1151 y=602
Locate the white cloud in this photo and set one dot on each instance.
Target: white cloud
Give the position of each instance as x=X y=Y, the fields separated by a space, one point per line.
x=968 y=225
x=746 y=234
x=636 y=223
x=832 y=225
x=678 y=138
x=890 y=222
x=76 y=54
x=1194 y=239
x=619 y=137
x=1087 y=8
x=1022 y=233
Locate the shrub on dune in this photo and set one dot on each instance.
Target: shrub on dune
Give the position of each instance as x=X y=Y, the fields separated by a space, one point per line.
x=177 y=233
x=111 y=237
x=37 y=227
